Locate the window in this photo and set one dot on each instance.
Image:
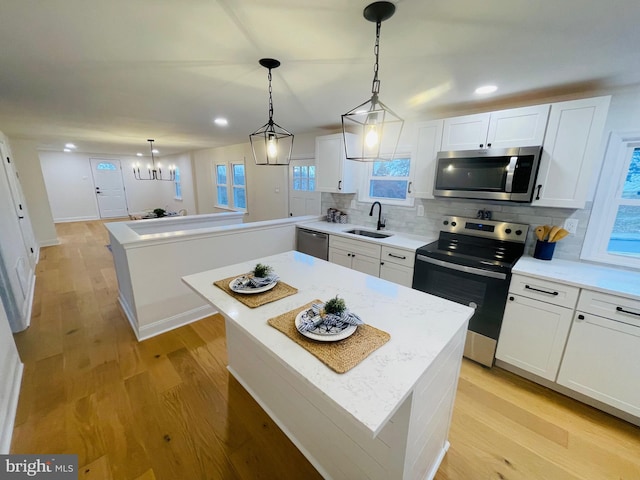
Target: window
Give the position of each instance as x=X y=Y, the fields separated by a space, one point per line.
x=106 y=166
x=222 y=199
x=236 y=183
x=239 y=187
x=613 y=235
x=177 y=186
x=388 y=182
x=304 y=178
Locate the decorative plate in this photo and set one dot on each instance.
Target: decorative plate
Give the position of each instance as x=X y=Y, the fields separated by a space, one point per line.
x=326 y=334
x=236 y=285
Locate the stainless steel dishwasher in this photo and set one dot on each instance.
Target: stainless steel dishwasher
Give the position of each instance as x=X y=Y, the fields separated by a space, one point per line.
x=312 y=243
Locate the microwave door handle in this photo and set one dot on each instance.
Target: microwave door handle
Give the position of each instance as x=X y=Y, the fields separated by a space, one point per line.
x=511 y=170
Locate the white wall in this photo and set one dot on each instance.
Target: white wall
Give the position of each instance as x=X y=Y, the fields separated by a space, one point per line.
x=71 y=172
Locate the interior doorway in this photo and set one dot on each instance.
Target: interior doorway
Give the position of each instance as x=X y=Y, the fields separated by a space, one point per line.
x=110 y=193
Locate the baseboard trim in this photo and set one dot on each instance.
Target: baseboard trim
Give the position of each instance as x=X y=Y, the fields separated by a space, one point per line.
x=165 y=324
x=14 y=381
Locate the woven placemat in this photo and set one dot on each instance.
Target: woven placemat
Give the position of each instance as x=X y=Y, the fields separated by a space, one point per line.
x=254 y=300
x=340 y=356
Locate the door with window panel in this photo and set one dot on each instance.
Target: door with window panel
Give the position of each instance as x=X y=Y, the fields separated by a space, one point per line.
x=303 y=197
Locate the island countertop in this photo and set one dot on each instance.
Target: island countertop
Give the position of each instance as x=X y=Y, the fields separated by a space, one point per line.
x=420 y=325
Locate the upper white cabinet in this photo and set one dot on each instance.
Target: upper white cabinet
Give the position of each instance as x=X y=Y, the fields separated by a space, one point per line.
x=515 y=127
x=426 y=145
x=570 y=153
x=334 y=173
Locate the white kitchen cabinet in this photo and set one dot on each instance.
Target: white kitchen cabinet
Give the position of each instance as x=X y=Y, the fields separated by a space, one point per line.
x=536 y=324
x=571 y=151
x=334 y=173
x=516 y=127
x=426 y=145
x=533 y=335
x=361 y=256
x=396 y=265
x=602 y=356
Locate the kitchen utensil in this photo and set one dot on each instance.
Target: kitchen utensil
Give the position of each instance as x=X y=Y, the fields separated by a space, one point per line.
x=552 y=232
x=547 y=229
x=560 y=234
x=540 y=232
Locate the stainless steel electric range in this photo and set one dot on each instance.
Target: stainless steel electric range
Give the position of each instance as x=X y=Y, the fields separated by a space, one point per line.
x=471 y=263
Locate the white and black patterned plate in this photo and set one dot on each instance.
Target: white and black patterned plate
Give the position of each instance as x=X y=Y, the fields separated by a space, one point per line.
x=323 y=333
x=236 y=286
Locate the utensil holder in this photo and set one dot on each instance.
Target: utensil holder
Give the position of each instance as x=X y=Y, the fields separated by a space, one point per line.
x=544 y=250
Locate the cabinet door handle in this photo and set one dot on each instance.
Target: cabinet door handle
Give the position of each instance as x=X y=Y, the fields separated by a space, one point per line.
x=409 y=189
x=541 y=291
x=489 y=145
x=381 y=263
x=538 y=194
x=620 y=309
x=401 y=257
x=481 y=145
x=339 y=184
x=580 y=317
x=511 y=299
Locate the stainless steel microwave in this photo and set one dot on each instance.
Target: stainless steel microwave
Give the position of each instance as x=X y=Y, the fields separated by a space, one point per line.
x=507 y=174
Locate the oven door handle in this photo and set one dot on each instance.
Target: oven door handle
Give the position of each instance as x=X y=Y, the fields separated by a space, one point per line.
x=462 y=268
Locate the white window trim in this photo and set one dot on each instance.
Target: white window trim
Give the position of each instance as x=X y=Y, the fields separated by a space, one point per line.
x=363 y=191
x=603 y=214
x=233 y=185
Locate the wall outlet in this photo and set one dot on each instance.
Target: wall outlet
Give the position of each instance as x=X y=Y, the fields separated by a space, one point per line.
x=420 y=212
x=571 y=225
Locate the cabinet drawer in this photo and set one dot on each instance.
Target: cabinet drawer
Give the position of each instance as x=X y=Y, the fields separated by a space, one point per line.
x=550 y=292
x=355 y=246
x=621 y=309
x=398 y=255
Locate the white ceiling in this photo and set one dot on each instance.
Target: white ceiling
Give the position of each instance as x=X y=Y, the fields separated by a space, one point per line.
x=107 y=75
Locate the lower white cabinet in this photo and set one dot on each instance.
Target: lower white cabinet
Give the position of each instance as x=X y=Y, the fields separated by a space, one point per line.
x=533 y=335
x=396 y=265
x=602 y=358
x=361 y=256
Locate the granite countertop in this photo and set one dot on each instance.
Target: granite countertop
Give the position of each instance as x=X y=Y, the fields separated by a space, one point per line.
x=405 y=241
x=420 y=326
x=584 y=275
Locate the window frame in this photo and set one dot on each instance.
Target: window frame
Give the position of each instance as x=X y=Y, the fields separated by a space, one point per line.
x=235 y=186
x=363 y=194
x=607 y=200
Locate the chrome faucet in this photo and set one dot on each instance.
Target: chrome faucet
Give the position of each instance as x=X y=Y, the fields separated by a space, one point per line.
x=381 y=223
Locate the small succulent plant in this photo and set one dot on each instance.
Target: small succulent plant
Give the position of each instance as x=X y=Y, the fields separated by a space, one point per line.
x=261 y=270
x=335 y=306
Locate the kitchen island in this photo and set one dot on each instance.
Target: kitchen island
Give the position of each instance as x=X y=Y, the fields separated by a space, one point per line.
x=386 y=418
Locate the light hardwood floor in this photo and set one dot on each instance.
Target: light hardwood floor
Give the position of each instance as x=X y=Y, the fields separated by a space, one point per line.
x=167 y=408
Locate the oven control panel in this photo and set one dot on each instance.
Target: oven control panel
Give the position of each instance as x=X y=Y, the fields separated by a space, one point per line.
x=513 y=232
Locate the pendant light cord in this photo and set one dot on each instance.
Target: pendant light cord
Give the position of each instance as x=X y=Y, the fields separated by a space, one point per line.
x=375 y=87
x=270 y=101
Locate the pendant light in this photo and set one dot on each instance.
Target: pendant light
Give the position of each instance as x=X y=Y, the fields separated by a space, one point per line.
x=377 y=127
x=271 y=144
x=154 y=172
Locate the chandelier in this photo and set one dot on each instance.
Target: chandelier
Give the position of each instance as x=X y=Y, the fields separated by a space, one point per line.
x=154 y=172
x=271 y=144
x=377 y=127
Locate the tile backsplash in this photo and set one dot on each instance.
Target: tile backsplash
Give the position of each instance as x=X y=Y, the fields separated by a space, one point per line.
x=406 y=220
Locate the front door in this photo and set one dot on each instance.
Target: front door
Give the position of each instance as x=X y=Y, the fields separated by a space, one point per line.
x=107 y=178
x=303 y=198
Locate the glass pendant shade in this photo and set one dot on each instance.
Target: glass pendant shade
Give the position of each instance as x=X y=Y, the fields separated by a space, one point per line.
x=271 y=144
x=377 y=127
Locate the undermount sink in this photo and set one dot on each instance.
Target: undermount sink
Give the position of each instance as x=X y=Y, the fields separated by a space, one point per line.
x=368 y=233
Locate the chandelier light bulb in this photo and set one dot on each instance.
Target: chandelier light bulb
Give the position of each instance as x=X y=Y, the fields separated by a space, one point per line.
x=272 y=146
x=372 y=138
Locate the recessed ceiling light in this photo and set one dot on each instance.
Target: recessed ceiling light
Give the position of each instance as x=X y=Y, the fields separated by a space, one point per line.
x=155 y=150
x=69 y=145
x=138 y=154
x=67 y=150
x=486 y=89
x=223 y=122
